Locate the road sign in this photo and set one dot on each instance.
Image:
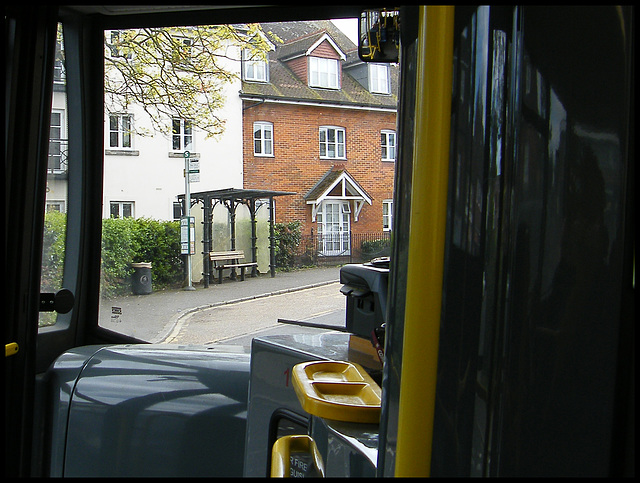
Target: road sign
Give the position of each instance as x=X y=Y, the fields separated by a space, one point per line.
x=194 y=165
x=194 y=170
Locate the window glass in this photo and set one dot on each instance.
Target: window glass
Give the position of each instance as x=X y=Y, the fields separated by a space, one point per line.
x=263 y=138
x=255 y=69
x=388 y=144
x=120 y=131
x=55 y=222
x=332 y=142
x=121 y=209
x=323 y=72
x=115 y=42
x=387 y=214
x=57 y=142
x=184 y=49
x=144 y=215
x=379 y=78
x=182 y=135
x=333 y=224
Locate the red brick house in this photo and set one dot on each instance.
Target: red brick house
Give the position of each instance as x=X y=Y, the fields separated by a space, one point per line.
x=319 y=122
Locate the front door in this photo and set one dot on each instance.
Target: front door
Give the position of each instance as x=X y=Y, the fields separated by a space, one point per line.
x=334 y=228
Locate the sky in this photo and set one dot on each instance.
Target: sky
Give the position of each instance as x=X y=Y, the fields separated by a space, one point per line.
x=349 y=26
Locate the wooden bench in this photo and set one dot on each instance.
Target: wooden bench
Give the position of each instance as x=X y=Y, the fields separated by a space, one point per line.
x=232 y=257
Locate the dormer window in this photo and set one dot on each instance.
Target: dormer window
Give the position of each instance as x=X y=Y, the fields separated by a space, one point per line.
x=255 y=68
x=323 y=73
x=379 y=79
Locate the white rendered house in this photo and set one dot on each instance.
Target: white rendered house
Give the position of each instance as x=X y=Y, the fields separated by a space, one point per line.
x=144 y=174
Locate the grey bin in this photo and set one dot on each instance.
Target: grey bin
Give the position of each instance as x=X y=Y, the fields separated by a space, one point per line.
x=141 y=278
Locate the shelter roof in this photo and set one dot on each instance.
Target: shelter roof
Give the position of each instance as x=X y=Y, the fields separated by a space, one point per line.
x=237 y=194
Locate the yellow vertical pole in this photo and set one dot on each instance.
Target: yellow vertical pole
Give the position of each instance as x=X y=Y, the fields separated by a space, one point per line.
x=426 y=241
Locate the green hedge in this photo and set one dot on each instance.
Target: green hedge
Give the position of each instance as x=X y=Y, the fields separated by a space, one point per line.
x=55 y=230
x=376 y=248
x=287 y=238
x=124 y=241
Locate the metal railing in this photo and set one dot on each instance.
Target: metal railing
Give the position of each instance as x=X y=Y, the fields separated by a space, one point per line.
x=323 y=249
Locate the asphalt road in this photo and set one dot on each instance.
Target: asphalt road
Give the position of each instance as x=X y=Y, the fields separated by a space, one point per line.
x=239 y=322
x=230 y=312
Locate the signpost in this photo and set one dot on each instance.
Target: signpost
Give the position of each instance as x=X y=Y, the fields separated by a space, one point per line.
x=187 y=222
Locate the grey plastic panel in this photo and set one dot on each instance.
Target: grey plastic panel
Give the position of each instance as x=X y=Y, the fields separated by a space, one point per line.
x=347 y=449
x=273 y=358
x=149 y=410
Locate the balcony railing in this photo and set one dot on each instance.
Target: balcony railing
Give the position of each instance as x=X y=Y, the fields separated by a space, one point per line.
x=58 y=156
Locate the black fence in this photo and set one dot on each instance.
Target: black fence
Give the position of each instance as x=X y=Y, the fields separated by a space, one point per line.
x=338 y=248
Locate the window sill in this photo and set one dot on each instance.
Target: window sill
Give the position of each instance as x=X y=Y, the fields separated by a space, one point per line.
x=326 y=88
x=121 y=152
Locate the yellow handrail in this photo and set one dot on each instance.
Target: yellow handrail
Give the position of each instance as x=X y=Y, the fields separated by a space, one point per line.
x=426 y=242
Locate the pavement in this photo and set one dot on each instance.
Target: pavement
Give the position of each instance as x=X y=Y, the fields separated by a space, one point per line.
x=153 y=317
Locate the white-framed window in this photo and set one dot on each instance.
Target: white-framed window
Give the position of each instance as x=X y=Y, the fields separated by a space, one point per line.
x=254 y=68
x=262 y=139
x=379 y=78
x=184 y=47
x=387 y=215
x=323 y=73
x=177 y=210
x=57 y=143
x=332 y=142
x=121 y=209
x=59 y=73
x=181 y=135
x=115 y=47
x=56 y=205
x=121 y=131
x=388 y=145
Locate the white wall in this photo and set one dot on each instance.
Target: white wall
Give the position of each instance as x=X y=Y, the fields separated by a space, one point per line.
x=150 y=175
x=153 y=178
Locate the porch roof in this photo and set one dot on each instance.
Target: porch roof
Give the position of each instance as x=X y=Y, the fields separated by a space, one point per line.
x=337 y=185
x=349 y=188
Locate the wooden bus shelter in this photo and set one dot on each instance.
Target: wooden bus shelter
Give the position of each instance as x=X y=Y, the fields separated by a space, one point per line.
x=231 y=198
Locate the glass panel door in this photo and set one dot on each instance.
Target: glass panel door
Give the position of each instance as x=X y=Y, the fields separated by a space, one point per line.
x=335 y=227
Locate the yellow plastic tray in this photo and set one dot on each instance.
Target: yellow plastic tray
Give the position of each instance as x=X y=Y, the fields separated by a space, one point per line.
x=337 y=390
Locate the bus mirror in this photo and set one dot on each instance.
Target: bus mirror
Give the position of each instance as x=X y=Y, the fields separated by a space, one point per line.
x=379 y=35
